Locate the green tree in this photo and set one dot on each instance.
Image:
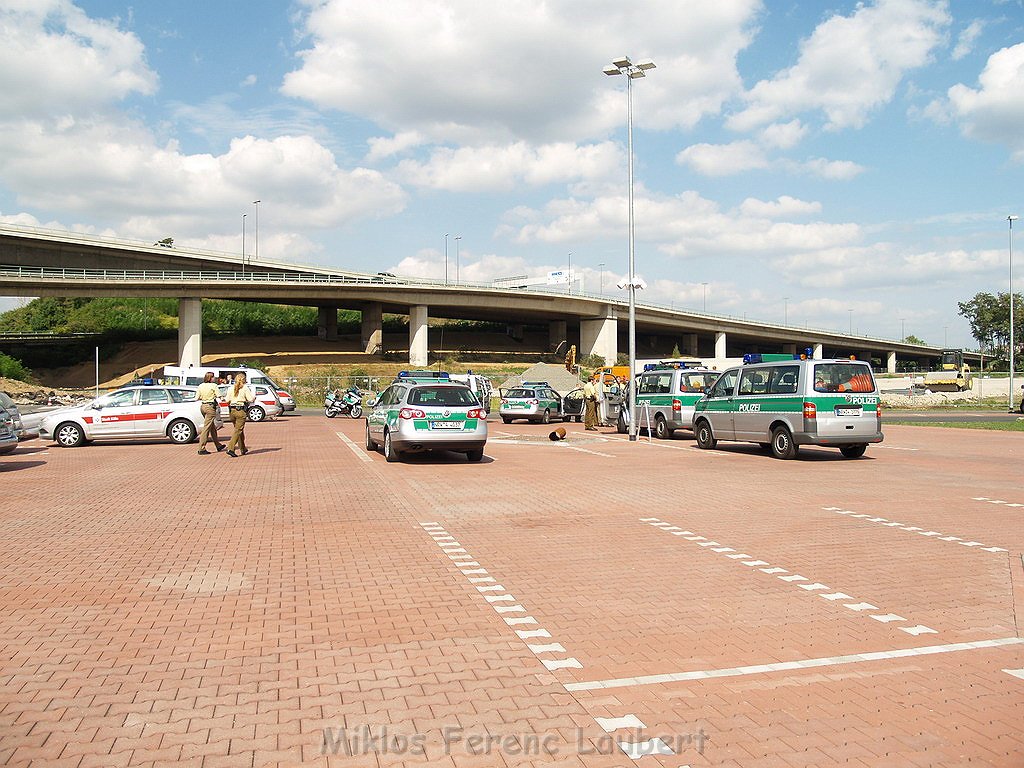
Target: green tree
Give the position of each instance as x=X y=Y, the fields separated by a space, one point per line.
x=912 y=339
x=989 y=317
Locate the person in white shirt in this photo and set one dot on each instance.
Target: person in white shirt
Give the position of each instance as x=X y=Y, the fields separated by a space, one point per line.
x=207 y=394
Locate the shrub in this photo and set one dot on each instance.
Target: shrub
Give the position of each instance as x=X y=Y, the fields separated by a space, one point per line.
x=12 y=368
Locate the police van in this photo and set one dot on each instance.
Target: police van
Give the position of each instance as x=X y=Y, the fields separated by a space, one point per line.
x=666 y=394
x=193 y=376
x=782 y=402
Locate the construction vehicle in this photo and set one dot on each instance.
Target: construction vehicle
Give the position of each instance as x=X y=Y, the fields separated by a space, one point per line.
x=953 y=375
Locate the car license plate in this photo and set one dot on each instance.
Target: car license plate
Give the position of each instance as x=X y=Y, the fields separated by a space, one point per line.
x=446 y=425
x=848 y=411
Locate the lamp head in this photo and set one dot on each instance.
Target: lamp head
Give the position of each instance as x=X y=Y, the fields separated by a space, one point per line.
x=622 y=62
x=1012 y=218
x=611 y=70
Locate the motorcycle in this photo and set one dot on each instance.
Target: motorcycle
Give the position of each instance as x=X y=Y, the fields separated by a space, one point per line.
x=339 y=403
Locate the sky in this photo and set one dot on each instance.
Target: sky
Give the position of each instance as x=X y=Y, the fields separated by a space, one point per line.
x=843 y=165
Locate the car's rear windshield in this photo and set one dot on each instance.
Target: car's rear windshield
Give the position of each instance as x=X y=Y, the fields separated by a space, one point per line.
x=843 y=377
x=449 y=396
x=520 y=393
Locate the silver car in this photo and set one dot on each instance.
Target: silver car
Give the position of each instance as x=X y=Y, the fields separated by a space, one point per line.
x=132 y=412
x=416 y=415
x=8 y=437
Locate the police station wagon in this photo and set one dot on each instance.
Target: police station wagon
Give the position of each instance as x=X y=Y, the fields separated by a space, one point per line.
x=425 y=411
x=783 y=404
x=532 y=400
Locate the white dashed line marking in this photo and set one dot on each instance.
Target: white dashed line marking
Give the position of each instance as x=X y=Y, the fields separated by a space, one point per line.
x=937 y=535
x=610 y=724
x=997 y=501
x=811 y=587
x=1018 y=673
x=634 y=750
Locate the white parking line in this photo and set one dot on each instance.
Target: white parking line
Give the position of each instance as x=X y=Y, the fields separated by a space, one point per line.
x=359 y=452
x=915 y=529
x=785 y=666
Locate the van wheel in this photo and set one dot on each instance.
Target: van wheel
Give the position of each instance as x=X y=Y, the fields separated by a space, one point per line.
x=620 y=424
x=546 y=418
x=705 y=437
x=661 y=428
x=476 y=455
x=390 y=454
x=783 y=446
x=506 y=419
x=853 y=451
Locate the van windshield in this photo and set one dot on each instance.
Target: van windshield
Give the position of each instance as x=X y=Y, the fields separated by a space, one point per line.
x=843 y=377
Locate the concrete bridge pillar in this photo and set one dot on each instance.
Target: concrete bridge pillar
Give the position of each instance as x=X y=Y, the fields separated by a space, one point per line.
x=557 y=333
x=418 y=349
x=599 y=336
x=817 y=352
x=690 y=344
x=327 y=323
x=190 y=332
x=372 y=334
x=890 y=362
x=789 y=349
x=720 y=340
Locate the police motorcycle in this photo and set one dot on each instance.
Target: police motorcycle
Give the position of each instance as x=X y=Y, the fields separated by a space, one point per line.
x=338 y=403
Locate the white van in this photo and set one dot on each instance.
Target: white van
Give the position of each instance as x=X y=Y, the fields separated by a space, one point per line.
x=193 y=376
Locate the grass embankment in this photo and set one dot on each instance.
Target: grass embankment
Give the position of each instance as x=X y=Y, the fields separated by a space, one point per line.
x=1000 y=426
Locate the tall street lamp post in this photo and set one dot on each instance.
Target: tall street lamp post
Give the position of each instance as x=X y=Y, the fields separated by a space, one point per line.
x=785 y=310
x=851 y=321
x=623 y=66
x=1010 y=219
x=704 y=287
x=600 y=267
x=446 y=258
x=903 y=329
x=570 y=272
x=243 y=243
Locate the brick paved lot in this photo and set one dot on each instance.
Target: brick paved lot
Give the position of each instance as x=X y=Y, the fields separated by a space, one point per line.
x=585 y=603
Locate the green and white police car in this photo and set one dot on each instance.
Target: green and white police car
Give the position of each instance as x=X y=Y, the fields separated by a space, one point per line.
x=782 y=402
x=534 y=401
x=666 y=394
x=426 y=411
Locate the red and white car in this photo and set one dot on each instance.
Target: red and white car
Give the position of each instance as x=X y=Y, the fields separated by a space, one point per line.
x=132 y=412
x=267 y=404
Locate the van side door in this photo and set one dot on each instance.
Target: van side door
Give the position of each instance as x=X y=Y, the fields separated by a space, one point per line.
x=719 y=403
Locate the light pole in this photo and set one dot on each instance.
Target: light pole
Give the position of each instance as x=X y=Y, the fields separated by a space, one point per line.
x=446 y=258
x=256 y=236
x=704 y=287
x=600 y=267
x=851 y=321
x=457 y=238
x=570 y=272
x=903 y=330
x=1010 y=219
x=623 y=66
x=945 y=336
x=243 y=243
x=785 y=310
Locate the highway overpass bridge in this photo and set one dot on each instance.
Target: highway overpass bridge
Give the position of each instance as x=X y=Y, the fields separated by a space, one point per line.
x=37 y=262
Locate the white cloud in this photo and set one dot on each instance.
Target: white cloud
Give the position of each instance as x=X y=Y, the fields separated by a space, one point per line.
x=773 y=209
x=460 y=71
x=684 y=226
x=741 y=156
x=784 y=135
x=968 y=37
x=382 y=147
x=993 y=112
x=850 y=65
x=724 y=159
x=55 y=60
x=507 y=167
